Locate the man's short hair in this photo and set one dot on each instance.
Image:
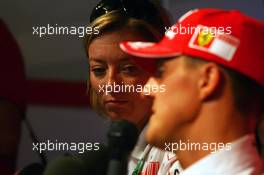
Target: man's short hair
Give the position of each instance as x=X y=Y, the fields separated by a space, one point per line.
x=248 y=94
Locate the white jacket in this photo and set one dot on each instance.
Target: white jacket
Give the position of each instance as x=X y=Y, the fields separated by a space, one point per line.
x=242 y=159
x=156 y=161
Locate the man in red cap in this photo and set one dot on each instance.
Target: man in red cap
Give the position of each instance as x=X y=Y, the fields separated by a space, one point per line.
x=12 y=101
x=212 y=65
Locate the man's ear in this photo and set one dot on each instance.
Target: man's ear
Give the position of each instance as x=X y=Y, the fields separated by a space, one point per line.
x=209 y=80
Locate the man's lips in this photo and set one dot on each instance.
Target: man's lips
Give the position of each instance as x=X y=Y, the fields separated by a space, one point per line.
x=153 y=110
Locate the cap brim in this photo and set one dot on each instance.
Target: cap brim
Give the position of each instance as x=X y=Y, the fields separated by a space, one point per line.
x=147 y=50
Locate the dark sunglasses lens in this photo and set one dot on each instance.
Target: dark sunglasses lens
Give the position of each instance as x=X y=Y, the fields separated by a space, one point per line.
x=103 y=7
x=97 y=11
x=141 y=9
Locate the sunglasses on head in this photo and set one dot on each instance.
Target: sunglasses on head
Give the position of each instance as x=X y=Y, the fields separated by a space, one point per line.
x=140 y=9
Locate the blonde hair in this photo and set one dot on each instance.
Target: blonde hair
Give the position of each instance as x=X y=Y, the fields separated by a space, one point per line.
x=115 y=20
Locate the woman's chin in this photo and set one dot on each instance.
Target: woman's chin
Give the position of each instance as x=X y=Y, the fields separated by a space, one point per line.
x=118 y=116
x=114 y=116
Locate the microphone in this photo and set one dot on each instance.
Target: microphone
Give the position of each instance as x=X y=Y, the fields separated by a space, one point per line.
x=90 y=162
x=32 y=169
x=122 y=138
x=65 y=165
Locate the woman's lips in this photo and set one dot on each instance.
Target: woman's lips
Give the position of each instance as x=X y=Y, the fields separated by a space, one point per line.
x=115 y=103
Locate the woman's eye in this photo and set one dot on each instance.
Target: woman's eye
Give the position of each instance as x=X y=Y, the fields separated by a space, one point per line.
x=99 y=71
x=130 y=69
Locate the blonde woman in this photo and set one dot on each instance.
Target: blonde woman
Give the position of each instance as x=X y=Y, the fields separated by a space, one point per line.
x=110 y=68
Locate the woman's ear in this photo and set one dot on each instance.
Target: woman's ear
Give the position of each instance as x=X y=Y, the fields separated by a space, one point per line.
x=209 y=80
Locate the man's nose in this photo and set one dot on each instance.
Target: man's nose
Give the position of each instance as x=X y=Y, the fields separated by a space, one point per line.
x=151 y=84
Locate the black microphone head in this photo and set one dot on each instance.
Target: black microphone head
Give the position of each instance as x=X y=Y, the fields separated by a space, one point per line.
x=65 y=165
x=122 y=136
x=92 y=159
x=32 y=169
x=90 y=162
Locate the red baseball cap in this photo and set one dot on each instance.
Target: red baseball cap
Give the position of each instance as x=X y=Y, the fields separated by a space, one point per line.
x=226 y=37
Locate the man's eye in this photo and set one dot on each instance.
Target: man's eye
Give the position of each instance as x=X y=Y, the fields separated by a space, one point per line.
x=160 y=71
x=98 y=71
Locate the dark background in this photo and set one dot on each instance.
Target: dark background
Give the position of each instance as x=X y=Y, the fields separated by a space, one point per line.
x=62 y=59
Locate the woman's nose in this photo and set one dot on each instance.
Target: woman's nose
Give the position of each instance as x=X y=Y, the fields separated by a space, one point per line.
x=113 y=80
x=113 y=77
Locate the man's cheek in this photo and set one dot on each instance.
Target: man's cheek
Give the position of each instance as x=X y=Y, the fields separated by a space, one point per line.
x=153 y=129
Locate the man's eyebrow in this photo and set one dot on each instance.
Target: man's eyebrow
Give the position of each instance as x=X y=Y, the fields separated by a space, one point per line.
x=161 y=61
